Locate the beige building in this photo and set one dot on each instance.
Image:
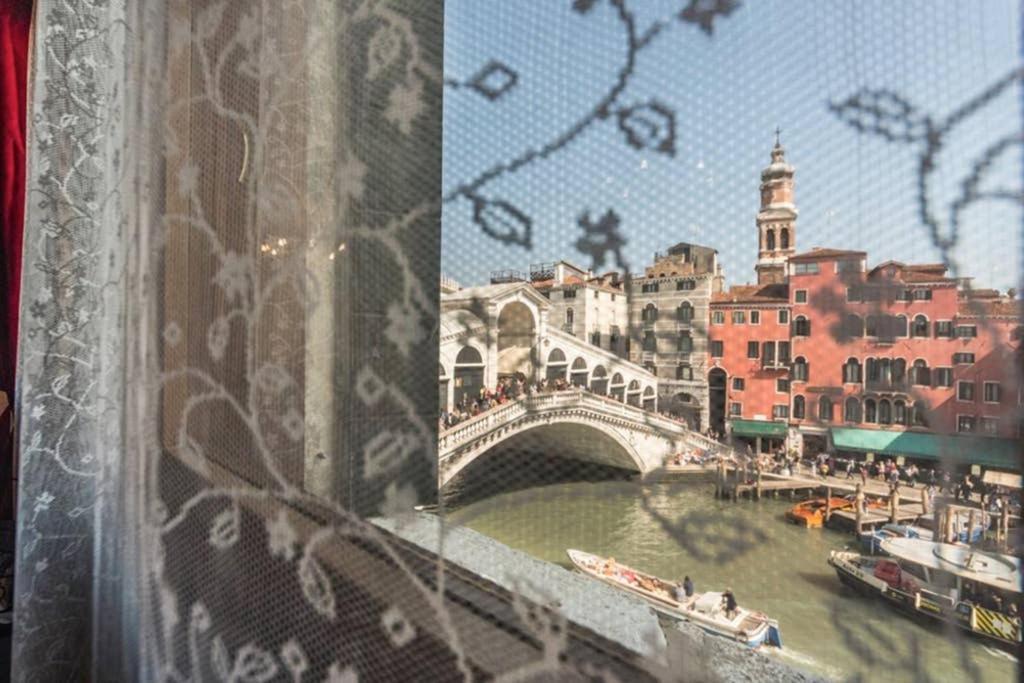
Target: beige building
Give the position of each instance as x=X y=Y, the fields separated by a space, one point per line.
x=668 y=321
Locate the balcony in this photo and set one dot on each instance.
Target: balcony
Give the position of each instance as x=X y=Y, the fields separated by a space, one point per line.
x=500 y=277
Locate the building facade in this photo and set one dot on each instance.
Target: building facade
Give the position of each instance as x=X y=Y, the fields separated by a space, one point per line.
x=828 y=354
x=668 y=324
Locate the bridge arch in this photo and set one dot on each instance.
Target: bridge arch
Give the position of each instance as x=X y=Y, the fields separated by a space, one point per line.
x=599 y=381
x=618 y=387
x=517 y=339
x=468 y=374
x=633 y=393
x=648 y=398
x=557 y=365
x=578 y=372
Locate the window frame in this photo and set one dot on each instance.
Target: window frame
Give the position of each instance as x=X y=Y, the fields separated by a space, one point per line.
x=965 y=383
x=799 y=296
x=712 y=348
x=738 y=384
x=783 y=316
x=973 y=422
x=984 y=392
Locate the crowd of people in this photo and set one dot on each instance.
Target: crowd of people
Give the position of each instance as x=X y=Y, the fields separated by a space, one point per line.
x=508 y=389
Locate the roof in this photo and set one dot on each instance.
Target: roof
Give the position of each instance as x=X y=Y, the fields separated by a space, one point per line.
x=973 y=450
x=822 y=253
x=998 y=571
x=483 y=291
x=989 y=308
x=753 y=294
x=914 y=272
x=459 y=322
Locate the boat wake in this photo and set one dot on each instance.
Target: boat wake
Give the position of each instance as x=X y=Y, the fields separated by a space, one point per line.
x=1000 y=654
x=805 y=661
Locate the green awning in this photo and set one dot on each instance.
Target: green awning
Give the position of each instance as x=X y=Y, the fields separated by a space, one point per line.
x=965 y=449
x=758 y=428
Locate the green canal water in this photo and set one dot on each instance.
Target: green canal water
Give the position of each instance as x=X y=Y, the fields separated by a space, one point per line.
x=676 y=528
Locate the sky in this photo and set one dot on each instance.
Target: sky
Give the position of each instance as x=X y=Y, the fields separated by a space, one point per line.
x=766 y=64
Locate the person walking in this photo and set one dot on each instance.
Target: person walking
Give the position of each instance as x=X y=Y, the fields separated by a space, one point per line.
x=729 y=602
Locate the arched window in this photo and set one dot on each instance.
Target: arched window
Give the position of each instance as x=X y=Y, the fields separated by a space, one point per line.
x=801 y=369
x=468 y=356
x=884 y=412
x=920 y=416
x=784 y=238
x=899 y=412
x=770 y=240
x=801 y=326
x=650 y=313
x=648 y=399
x=901 y=326
x=851 y=371
x=685 y=343
x=618 y=388
x=920 y=375
x=557 y=365
x=556 y=356
x=870 y=410
x=871 y=373
x=851 y=411
x=799 y=407
x=871 y=326
x=578 y=373
x=685 y=312
x=899 y=371
x=825 y=409
x=920 y=327
x=569 y=316
x=853 y=325
x=599 y=380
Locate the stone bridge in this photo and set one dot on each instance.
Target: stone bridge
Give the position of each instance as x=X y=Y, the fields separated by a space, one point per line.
x=575 y=424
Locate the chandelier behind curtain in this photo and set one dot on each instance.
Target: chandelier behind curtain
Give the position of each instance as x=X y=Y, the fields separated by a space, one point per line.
x=230 y=287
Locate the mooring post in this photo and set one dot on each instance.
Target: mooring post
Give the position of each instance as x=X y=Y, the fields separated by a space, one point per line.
x=924 y=501
x=758 y=490
x=894 y=503
x=859 y=512
x=828 y=504
x=1005 y=516
x=970 y=525
x=948 y=528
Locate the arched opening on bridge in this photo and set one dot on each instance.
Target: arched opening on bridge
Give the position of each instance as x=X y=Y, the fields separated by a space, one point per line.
x=618 y=388
x=516 y=335
x=469 y=376
x=557 y=365
x=578 y=376
x=685 y=407
x=649 y=401
x=442 y=388
x=633 y=393
x=599 y=381
x=542 y=455
x=716 y=400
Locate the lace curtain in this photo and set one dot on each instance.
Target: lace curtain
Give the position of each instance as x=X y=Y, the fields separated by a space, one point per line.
x=230 y=279
x=230 y=317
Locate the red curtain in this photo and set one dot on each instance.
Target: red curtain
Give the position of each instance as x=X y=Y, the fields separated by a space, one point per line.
x=15 y=18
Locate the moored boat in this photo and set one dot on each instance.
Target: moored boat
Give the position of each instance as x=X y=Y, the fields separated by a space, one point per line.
x=871 y=541
x=705 y=610
x=811 y=513
x=975 y=591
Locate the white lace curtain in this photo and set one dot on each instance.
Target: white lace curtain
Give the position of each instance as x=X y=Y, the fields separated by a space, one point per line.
x=230 y=282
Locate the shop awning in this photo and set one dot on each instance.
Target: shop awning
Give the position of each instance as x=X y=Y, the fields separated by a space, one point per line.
x=968 y=450
x=758 y=428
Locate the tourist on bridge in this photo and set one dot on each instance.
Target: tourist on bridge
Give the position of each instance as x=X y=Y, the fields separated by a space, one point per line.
x=687 y=586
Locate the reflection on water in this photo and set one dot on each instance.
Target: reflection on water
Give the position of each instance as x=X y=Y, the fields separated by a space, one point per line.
x=674 y=529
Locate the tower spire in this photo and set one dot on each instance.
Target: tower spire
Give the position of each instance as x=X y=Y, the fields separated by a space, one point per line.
x=776 y=221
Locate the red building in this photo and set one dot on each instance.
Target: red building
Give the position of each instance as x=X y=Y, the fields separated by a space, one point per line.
x=895 y=360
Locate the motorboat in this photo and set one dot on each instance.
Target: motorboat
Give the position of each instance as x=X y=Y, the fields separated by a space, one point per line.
x=976 y=591
x=871 y=541
x=705 y=610
x=811 y=513
x=961 y=522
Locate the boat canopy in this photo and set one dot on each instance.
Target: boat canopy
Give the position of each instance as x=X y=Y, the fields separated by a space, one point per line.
x=1007 y=479
x=969 y=450
x=998 y=571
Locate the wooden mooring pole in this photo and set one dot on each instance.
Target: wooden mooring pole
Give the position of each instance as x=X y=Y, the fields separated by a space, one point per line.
x=757 y=490
x=1005 y=517
x=970 y=525
x=948 y=520
x=894 y=503
x=828 y=504
x=859 y=502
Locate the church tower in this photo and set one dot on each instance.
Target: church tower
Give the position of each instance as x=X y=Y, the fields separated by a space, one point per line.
x=776 y=221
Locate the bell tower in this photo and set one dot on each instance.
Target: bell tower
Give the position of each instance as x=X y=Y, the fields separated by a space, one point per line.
x=776 y=221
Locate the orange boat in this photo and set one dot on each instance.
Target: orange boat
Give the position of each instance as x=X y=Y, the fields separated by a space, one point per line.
x=811 y=513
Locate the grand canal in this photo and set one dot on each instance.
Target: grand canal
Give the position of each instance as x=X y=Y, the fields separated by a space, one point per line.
x=676 y=528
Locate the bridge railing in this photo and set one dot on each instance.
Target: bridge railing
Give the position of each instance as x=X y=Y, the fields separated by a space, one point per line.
x=495 y=417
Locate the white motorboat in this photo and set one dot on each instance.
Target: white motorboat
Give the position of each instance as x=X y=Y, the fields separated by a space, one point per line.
x=705 y=610
x=955 y=584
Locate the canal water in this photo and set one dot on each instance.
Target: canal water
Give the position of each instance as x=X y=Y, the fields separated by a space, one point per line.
x=676 y=528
